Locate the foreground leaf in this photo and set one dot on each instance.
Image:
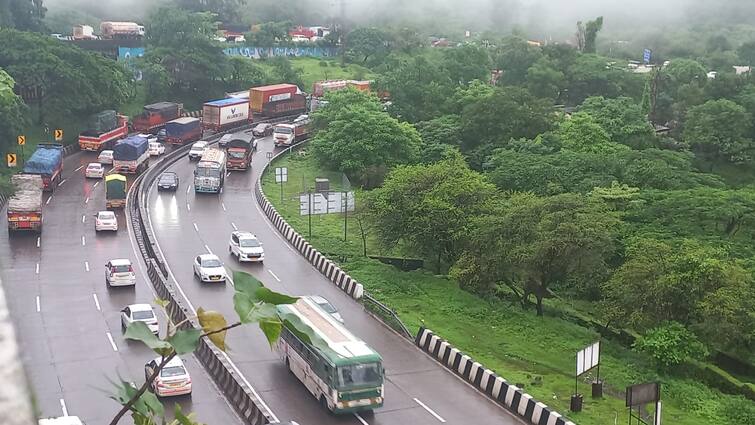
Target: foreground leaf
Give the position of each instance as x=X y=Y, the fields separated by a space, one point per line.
x=272 y=330
x=304 y=332
x=162 y=303
x=212 y=321
x=185 y=340
x=139 y=331
x=181 y=419
x=266 y=295
x=147 y=405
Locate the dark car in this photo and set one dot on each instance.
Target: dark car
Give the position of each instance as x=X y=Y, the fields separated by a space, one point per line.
x=162 y=135
x=262 y=130
x=167 y=181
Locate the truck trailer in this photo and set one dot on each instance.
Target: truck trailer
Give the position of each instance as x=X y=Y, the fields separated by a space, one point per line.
x=183 y=130
x=101 y=133
x=260 y=96
x=47 y=162
x=155 y=116
x=25 y=206
x=131 y=155
x=286 y=135
x=225 y=113
x=239 y=150
x=121 y=30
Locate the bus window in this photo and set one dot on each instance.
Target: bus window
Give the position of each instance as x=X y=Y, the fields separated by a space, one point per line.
x=359 y=375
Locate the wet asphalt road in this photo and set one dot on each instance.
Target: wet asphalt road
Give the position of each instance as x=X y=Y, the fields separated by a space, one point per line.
x=418 y=390
x=65 y=317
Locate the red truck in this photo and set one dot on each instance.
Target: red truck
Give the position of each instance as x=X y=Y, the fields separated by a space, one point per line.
x=94 y=140
x=239 y=152
x=25 y=206
x=155 y=116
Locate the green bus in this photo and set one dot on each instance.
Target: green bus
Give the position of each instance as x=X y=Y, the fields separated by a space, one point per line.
x=346 y=378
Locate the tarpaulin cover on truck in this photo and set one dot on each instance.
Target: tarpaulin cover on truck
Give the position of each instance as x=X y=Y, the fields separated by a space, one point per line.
x=102 y=122
x=45 y=160
x=115 y=186
x=241 y=140
x=28 y=196
x=130 y=148
x=181 y=126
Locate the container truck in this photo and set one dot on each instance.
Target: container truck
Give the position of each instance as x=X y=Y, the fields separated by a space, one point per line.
x=289 y=134
x=115 y=191
x=260 y=96
x=210 y=172
x=131 y=155
x=321 y=87
x=225 y=113
x=25 y=206
x=47 y=162
x=297 y=104
x=155 y=116
x=101 y=135
x=112 y=30
x=239 y=151
x=183 y=130
x=83 y=32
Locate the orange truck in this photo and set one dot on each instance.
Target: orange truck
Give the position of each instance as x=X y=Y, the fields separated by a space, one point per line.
x=25 y=206
x=99 y=137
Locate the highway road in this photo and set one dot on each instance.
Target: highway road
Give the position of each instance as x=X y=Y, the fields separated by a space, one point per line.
x=68 y=322
x=418 y=390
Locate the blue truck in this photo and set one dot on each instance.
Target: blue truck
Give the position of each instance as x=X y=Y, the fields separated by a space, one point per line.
x=131 y=155
x=183 y=130
x=47 y=162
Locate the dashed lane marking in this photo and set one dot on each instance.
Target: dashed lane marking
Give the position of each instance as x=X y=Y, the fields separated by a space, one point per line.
x=80 y=167
x=63 y=407
x=36 y=270
x=424 y=406
x=234 y=226
x=86 y=265
x=96 y=302
x=273 y=274
x=196 y=228
x=115 y=347
x=38 y=305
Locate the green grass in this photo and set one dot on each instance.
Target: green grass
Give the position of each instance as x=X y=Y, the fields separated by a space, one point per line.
x=535 y=351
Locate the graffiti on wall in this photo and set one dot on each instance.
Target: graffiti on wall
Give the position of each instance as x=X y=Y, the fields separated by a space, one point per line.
x=266 y=52
x=127 y=54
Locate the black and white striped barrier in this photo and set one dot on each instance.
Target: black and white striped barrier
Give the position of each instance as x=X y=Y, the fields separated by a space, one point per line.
x=193 y=114
x=327 y=267
x=485 y=380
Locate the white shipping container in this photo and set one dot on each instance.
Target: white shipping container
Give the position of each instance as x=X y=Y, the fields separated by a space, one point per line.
x=224 y=114
x=234 y=113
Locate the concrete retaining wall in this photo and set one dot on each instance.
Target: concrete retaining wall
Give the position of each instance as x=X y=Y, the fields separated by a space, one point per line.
x=507 y=395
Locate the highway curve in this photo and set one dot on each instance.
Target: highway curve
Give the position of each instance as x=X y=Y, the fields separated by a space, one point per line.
x=418 y=390
x=65 y=317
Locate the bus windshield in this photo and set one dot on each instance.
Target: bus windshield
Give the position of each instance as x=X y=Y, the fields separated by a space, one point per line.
x=283 y=130
x=207 y=172
x=359 y=375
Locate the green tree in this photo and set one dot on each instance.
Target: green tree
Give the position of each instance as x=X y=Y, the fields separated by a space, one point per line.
x=342 y=101
x=367 y=45
x=587 y=34
x=514 y=57
x=466 y=63
x=23 y=15
x=623 y=120
x=283 y=71
x=475 y=91
x=365 y=144
x=269 y=34
x=670 y=344
x=419 y=89
x=428 y=207
x=545 y=80
x=227 y=10
x=686 y=71
x=718 y=130
x=244 y=74
x=581 y=133
x=590 y=76
x=13 y=112
x=746 y=53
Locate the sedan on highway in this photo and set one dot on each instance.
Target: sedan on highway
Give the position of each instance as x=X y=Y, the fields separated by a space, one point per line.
x=119 y=272
x=167 y=181
x=94 y=170
x=246 y=247
x=325 y=305
x=209 y=268
x=197 y=149
x=263 y=129
x=156 y=149
x=139 y=313
x=105 y=220
x=105 y=157
x=173 y=379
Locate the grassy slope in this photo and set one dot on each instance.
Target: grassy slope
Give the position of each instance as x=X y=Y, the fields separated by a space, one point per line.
x=537 y=352
x=312 y=70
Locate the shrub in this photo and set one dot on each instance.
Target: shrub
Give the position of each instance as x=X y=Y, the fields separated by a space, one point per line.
x=671 y=344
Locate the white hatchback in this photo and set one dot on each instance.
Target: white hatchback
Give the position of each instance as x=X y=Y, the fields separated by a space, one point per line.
x=174 y=378
x=246 y=247
x=105 y=220
x=105 y=157
x=156 y=149
x=209 y=268
x=94 y=170
x=119 y=272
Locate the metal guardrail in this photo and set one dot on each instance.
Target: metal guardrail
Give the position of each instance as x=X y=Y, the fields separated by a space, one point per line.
x=386 y=315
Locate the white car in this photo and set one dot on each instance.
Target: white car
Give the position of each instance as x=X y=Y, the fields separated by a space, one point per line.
x=325 y=305
x=139 y=313
x=246 y=247
x=197 y=149
x=209 y=268
x=151 y=138
x=173 y=379
x=105 y=220
x=105 y=157
x=94 y=170
x=156 y=149
x=119 y=272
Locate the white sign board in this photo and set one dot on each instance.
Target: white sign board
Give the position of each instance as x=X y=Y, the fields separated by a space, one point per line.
x=326 y=203
x=339 y=202
x=281 y=174
x=588 y=358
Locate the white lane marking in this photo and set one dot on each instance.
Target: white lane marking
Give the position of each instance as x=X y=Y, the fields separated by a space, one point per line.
x=38 y=306
x=227 y=173
x=83 y=241
x=83 y=218
x=61 y=182
x=86 y=265
x=36 y=271
x=96 y=302
x=361 y=419
x=208 y=249
x=273 y=274
x=195 y=227
x=86 y=201
x=188 y=188
x=222 y=204
x=63 y=407
x=424 y=406
x=234 y=226
x=80 y=167
x=188 y=207
x=95 y=184
x=47 y=202
x=39 y=239
x=112 y=342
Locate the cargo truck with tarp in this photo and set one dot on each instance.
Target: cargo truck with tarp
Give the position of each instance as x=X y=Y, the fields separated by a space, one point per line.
x=276 y=100
x=155 y=116
x=239 y=149
x=103 y=129
x=25 y=206
x=183 y=130
x=47 y=162
x=115 y=191
x=131 y=155
x=225 y=113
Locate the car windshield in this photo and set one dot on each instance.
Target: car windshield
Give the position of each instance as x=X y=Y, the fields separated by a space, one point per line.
x=143 y=315
x=327 y=307
x=94 y=166
x=236 y=154
x=167 y=178
x=198 y=147
x=249 y=243
x=283 y=130
x=367 y=374
x=171 y=371
x=211 y=263
x=261 y=127
x=121 y=269
x=106 y=216
x=106 y=153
